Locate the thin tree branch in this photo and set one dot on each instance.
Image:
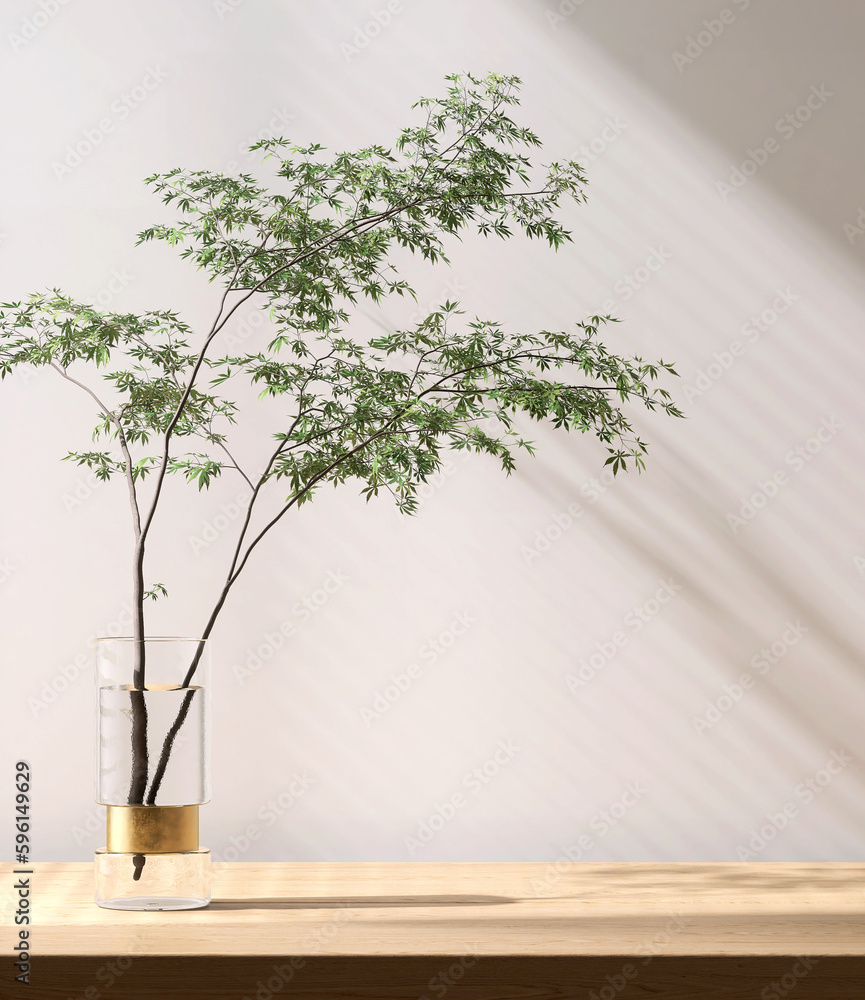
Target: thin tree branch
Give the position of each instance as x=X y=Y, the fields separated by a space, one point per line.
x=234 y=464
x=109 y=415
x=139 y=765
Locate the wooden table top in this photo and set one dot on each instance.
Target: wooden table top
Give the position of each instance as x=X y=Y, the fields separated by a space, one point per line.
x=427 y=909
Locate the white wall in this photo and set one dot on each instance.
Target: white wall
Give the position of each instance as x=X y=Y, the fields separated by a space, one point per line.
x=627 y=739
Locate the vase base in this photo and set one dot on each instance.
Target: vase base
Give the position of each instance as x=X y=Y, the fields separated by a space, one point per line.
x=152 y=903
x=177 y=881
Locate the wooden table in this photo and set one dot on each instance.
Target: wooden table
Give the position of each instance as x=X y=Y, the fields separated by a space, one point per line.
x=594 y=931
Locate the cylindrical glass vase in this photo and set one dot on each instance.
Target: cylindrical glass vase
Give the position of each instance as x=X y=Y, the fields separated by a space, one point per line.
x=153 y=772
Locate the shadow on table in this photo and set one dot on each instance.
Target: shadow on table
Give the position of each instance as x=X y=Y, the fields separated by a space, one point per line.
x=646 y=880
x=355 y=902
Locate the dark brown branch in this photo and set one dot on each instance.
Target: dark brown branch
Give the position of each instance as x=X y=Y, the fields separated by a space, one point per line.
x=168 y=743
x=139 y=767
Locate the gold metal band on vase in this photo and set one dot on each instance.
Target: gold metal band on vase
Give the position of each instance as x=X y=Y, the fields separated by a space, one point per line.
x=151 y=829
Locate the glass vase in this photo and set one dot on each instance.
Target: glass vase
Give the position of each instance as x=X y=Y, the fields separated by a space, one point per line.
x=153 y=772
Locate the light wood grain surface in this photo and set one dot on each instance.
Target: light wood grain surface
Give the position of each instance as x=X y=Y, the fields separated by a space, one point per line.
x=467 y=909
